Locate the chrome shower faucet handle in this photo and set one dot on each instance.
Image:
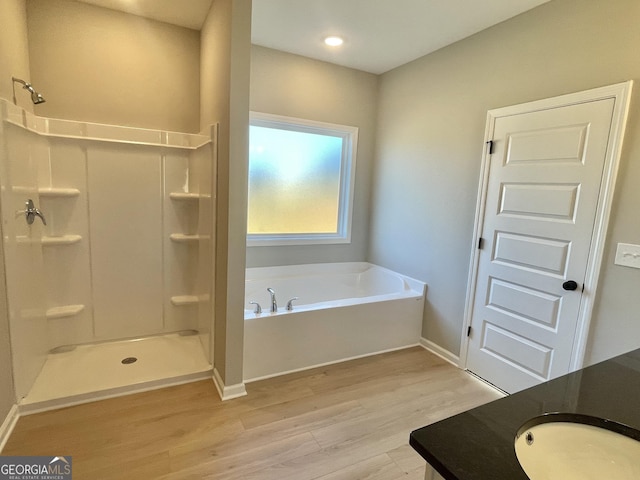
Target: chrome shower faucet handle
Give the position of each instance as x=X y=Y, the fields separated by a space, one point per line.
x=31 y=212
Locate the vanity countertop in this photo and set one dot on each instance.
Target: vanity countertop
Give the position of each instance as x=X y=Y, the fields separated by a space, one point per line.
x=479 y=444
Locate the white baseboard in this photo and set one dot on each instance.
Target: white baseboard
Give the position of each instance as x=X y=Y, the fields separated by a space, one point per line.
x=8 y=425
x=440 y=352
x=228 y=392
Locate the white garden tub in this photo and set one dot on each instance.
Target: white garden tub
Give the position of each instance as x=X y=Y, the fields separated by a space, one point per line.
x=344 y=311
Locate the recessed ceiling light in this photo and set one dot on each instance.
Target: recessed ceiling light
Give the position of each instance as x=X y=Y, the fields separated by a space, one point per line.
x=333 y=41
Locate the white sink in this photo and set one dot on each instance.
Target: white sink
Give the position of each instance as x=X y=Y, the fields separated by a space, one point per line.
x=561 y=449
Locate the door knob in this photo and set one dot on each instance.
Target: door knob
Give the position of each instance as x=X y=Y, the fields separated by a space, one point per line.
x=570 y=285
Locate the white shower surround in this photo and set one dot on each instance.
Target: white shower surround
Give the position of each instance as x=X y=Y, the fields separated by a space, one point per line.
x=106 y=265
x=344 y=311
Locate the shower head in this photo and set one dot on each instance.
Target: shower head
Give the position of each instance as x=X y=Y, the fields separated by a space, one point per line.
x=36 y=98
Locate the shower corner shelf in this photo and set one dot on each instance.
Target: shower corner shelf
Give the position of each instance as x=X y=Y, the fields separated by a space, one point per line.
x=180 y=300
x=64 y=311
x=184 y=238
x=61 y=240
x=187 y=196
x=51 y=192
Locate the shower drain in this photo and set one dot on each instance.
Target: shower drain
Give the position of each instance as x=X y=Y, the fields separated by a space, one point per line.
x=128 y=360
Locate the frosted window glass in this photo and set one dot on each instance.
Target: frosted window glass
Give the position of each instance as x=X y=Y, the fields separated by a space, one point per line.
x=294 y=182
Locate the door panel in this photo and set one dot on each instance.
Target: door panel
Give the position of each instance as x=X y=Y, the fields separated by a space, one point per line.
x=541 y=200
x=523 y=303
x=547 y=145
x=551 y=201
x=542 y=255
x=517 y=350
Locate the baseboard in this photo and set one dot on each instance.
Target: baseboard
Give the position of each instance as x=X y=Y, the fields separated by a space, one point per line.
x=440 y=352
x=228 y=392
x=8 y=425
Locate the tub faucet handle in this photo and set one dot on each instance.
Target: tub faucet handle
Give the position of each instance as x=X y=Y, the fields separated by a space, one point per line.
x=274 y=303
x=258 y=308
x=290 y=304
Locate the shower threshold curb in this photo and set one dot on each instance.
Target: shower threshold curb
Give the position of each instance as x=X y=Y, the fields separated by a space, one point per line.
x=78 y=399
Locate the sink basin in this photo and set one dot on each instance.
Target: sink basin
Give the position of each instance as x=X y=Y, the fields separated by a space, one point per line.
x=568 y=446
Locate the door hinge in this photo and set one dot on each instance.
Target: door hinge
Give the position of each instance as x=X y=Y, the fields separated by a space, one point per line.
x=469 y=331
x=480 y=243
x=490 y=146
x=583 y=288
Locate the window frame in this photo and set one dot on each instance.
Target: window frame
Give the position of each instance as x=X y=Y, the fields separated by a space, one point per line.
x=349 y=137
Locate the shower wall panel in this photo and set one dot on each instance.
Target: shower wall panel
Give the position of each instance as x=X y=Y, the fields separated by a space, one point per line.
x=19 y=150
x=202 y=166
x=181 y=258
x=125 y=220
x=66 y=266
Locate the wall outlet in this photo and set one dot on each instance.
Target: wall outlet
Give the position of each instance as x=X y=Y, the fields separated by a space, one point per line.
x=628 y=255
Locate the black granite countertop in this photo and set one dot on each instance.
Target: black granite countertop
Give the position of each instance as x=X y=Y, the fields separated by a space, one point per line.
x=479 y=444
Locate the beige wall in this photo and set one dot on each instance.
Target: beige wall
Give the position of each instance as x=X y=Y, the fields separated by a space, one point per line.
x=98 y=65
x=430 y=131
x=215 y=59
x=295 y=86
x=14 y=50
x=14 y=61
x=225 y=59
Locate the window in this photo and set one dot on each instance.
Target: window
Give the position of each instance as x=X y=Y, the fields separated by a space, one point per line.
x=301 y=176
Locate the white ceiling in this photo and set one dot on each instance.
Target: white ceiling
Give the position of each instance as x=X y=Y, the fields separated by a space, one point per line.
x=184 y=13
x=379 y=34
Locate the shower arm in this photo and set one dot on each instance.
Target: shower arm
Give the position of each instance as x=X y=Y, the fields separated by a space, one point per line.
x=36 y=98
x=13 y=85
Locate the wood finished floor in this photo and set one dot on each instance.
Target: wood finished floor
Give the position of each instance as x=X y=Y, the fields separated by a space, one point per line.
x=342 y=422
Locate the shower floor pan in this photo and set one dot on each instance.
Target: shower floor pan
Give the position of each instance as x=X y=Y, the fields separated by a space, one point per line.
x=93 y=372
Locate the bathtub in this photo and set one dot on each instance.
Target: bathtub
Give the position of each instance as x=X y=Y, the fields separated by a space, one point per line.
x=343 y=311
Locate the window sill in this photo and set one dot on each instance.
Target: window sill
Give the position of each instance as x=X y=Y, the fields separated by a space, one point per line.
x=281 y=240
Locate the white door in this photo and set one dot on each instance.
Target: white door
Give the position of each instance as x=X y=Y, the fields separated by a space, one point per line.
x=542 y=195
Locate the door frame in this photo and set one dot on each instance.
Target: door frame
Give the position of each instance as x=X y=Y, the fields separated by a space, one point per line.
x=621 y=93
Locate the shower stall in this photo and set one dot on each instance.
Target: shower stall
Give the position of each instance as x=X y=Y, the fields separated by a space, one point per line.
x=108 y=235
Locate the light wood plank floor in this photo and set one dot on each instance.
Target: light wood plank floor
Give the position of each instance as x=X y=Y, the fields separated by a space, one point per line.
x=342 y=422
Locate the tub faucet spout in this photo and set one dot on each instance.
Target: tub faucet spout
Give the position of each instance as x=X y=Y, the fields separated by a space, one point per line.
x=290 y=304
x=274 y=304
